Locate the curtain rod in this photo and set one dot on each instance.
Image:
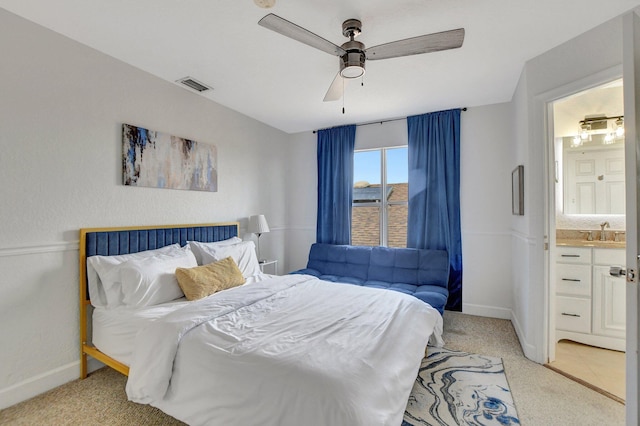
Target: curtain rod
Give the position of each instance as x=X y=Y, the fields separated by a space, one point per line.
x=379 y=121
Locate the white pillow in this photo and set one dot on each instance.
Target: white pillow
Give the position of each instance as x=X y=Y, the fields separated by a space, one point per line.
x=104 y=277
x=198 y=247
x=244 y=254
x=151 y=281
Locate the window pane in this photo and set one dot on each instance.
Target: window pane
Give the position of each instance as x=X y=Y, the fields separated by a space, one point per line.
x=366 y=167
x=397 y=165
x=397 y=225
x=370 y=213
x=397 y=175
x=365 y=226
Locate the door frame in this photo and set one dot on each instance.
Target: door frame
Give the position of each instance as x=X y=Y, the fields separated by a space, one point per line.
x=631 y=75
x=546 y=101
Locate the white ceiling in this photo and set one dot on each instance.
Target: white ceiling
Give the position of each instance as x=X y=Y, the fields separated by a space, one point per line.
x=606 y=100
x=282 y=82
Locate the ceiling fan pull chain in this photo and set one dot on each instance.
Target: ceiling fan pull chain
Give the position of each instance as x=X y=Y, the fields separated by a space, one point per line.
x=343 y=95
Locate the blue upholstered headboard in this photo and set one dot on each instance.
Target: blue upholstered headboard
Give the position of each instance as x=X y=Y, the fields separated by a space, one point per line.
x=115 y=241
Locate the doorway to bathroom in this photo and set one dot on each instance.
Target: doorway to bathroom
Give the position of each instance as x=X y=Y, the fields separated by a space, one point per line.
x=587 y=299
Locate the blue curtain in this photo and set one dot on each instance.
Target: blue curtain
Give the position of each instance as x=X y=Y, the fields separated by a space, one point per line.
x=434 y=191
x=335 y=184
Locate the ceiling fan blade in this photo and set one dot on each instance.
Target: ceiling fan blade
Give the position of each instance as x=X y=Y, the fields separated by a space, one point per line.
x=422 y=44
x=296 y=32
x=335 y=90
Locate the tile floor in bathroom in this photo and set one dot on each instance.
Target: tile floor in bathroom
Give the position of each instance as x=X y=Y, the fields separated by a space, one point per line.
x=601 y=368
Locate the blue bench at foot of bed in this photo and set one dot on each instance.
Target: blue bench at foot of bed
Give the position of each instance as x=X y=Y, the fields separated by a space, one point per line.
x=420 y=273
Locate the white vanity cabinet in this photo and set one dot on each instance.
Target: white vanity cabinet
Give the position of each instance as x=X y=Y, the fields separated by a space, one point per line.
x=590 y=303
x=609 y=294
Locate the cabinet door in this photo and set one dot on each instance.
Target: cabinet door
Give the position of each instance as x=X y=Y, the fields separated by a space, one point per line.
x=608 y=257
x=609 y=308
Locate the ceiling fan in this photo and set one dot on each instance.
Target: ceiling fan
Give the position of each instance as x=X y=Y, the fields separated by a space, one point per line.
x=353 y=54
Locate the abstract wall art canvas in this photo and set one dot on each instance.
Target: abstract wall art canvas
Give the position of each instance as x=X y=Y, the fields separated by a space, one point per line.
x=158 y=160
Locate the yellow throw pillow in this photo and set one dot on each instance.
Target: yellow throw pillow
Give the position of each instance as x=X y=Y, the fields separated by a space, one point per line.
x=205 y=280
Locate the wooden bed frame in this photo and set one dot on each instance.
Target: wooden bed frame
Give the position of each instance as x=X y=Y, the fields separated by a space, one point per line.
x=133 y=239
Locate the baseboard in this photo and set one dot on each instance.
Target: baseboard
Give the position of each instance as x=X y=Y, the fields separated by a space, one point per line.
x=528 y=349
x=41 y=383
x=486 y=311
x=507 y=314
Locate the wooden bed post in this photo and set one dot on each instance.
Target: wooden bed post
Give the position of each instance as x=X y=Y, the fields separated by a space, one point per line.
x=83 y=303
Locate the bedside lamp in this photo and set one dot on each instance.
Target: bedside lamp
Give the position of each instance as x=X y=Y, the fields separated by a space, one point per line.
x=258 y=225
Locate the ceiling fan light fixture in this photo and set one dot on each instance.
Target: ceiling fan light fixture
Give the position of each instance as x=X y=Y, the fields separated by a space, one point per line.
x=352 y=62
x=353 y=71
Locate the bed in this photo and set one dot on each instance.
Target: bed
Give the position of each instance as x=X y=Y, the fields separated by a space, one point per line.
x=274 y=350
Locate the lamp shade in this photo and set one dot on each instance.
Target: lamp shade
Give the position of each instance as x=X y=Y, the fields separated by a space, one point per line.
x=258 y=224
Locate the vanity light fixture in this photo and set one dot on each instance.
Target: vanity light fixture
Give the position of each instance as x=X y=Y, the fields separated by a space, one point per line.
x=609 y=138
x=620 y=127
x=576 y=141
x=599 y=124
x=585 y=130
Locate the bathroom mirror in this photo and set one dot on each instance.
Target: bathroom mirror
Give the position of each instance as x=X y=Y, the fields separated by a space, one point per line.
x=593 y=175
x=589 y=151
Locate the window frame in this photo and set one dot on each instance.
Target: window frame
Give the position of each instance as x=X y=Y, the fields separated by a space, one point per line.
x=382 y=204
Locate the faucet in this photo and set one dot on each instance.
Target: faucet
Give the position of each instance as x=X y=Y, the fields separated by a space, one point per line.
x=602 y=235
x=589 y=235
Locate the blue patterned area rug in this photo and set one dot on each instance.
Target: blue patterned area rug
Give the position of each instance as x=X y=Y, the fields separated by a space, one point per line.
x=459 y=388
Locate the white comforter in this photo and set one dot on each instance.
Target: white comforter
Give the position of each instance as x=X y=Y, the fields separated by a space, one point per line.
x=292 y=350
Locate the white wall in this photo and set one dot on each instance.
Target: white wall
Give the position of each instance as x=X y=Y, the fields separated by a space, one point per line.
x=302 y=188
x=485 y=201
x=593 y=53
x=485 y=204
x=62 y=106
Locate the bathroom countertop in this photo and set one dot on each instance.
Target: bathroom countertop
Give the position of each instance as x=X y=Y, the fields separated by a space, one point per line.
x=594 y=243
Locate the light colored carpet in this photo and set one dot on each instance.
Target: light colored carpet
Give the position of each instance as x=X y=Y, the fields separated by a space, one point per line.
x=541 y=396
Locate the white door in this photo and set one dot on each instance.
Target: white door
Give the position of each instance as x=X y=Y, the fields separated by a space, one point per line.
x=631 y=76
x=594 y=181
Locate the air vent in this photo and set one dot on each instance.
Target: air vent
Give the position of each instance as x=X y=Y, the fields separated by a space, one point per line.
x=194 y=84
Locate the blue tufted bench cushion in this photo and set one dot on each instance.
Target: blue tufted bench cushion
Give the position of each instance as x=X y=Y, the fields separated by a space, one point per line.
x=420 y=273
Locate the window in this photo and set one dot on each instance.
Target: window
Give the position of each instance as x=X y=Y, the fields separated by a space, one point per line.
x=380 y=197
